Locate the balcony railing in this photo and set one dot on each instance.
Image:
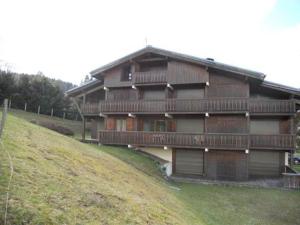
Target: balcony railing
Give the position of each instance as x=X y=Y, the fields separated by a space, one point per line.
x=150 y=77
x=90 y=108
x=212 y=105
x=206 y=105
x=271 y=106
x=151 y=106
x=194 y=140
x=282 y=141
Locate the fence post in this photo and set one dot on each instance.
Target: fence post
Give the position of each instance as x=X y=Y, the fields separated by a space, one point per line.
x=25 y=106
x=9 y=104
x=39 y=110
x=52 y=112
x=3 y=117
x=64 y=115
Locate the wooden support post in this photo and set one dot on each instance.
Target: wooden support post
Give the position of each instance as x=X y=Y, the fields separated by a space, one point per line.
x=3 y=116
x=52 y=112
x=83 y=100
x=25 y=107
x=248 y=141
x=78 y=108
x=293 y=131
x=83 y=128
x=173 y=161
x=292 y=159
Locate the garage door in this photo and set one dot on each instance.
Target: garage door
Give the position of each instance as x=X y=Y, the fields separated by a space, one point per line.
x=264 y=163
x=226 y=165
x=189 y=162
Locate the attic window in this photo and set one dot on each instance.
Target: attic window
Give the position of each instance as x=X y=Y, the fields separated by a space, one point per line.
x=126 y=73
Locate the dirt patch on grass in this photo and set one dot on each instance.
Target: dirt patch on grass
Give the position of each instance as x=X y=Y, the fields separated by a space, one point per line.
x=100 y=200
x=52 y=126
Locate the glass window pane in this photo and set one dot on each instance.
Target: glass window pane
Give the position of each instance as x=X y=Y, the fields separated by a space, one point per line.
x=160 y=126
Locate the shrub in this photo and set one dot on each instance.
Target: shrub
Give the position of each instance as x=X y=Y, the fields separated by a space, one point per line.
x=58 y=128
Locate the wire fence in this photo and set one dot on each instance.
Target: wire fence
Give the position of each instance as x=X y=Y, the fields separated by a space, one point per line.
x=3 y=119
x=2 y=125
x=72 y=114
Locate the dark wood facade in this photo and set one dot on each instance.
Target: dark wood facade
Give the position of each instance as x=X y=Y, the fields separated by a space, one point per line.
x=220 y=121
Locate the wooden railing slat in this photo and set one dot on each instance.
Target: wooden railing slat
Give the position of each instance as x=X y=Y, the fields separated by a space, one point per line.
x=192 y=105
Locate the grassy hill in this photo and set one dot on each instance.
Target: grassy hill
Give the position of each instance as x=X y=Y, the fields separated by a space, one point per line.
x=75 y=126
x=58 y=180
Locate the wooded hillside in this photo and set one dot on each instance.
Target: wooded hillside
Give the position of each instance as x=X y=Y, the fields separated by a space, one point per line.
x=35 y=90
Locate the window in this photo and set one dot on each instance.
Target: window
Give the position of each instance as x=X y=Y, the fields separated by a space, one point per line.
x=154 y=94
x=126 y=73
x=160 y=125
x=155 y=125
x=121 y=125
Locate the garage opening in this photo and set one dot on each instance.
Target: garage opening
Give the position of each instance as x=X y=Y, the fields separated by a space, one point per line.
x=189 y=162
x=266 y=163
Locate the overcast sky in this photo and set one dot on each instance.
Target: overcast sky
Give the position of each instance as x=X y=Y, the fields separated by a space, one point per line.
x=68 y=39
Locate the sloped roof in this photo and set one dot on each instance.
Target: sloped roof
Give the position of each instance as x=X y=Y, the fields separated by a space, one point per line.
x=182 y=57
x=192 y=59
x=281 y=87
x=86 y=86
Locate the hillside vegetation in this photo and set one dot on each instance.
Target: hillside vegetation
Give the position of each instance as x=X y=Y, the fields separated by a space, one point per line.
x=58 y=180
x=73 y=125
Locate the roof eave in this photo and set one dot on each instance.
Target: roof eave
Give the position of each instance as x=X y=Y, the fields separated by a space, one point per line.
x=280 y=87
x=80 y=89
x=212 y=64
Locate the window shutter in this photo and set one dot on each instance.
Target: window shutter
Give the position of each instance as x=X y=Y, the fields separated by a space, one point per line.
x=130 y=124
x=110 y=124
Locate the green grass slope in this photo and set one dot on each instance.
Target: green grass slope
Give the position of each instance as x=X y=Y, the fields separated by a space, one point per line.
x=73 y=125
x=217 y=204
x=58 y=180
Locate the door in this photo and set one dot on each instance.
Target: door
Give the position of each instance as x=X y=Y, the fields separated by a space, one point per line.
x=121 y=125
x=189 y=162
x=265 y=163
x=226 y=165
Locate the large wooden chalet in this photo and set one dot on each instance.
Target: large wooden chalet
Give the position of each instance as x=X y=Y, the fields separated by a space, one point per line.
x=206 y=118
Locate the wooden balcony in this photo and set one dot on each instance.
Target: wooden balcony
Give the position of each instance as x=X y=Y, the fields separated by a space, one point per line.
x=150 y=77
x=212 y=105
x=280 y=141
x=90 y=109
x=140 y=106
x=194 y=140
x=271 y=106
x=206 y=105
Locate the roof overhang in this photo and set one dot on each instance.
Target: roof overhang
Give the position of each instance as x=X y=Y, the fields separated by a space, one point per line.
x=84 y=88
x=280 y=87
x=97 y=73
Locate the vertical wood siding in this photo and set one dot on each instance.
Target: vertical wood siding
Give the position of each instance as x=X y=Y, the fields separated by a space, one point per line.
x=226 y=124
x=190 y=125
x=183 y=73
x=189 y=93
x=225 y=86
x=112 y=78
x=95 y=96
x=124 y=94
